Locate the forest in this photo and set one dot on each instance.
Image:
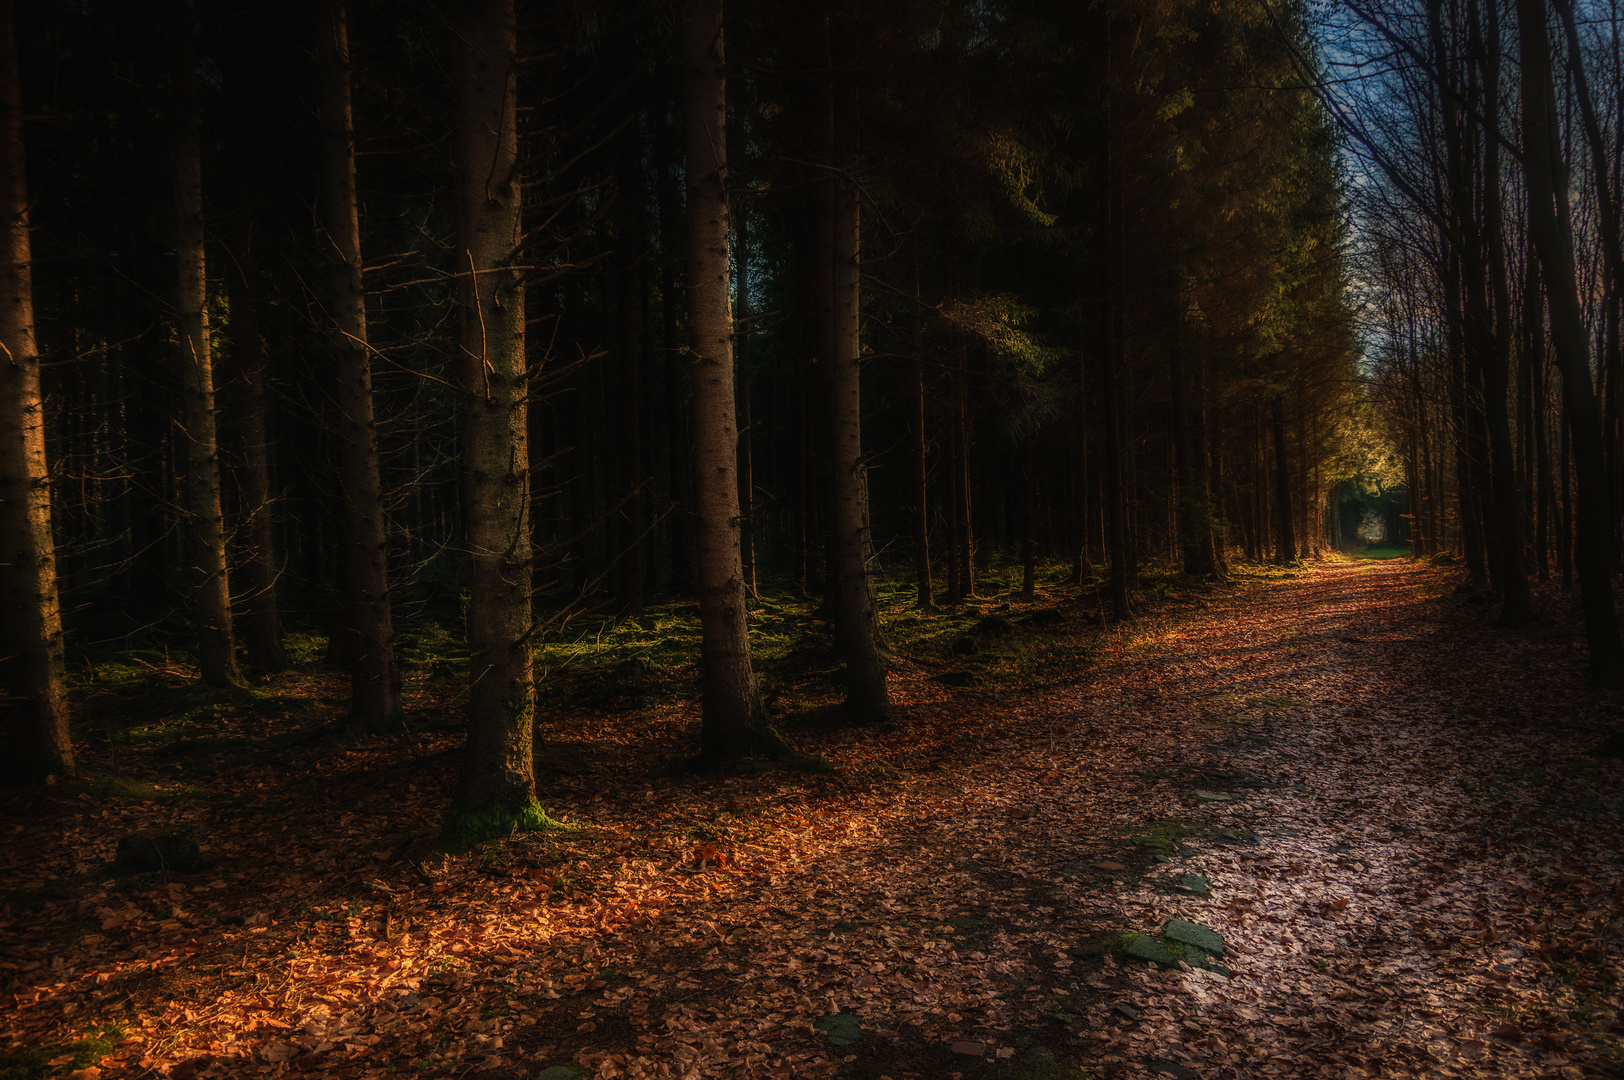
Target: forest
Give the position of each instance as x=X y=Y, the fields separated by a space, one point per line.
x=689 y=539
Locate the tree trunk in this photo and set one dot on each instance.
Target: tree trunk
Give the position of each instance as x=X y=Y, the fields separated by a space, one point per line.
x=34 y=735
x=741 y=361
x=966 y=554
x=496 y=788
x=1286 y=552
x=205 y=526
x=627 y=406
x=364 y=554
x=1554 y=242
x=261 y=622
x=1518 y=605
x=734 y=724
x=1189 y=453
x=921 y=454
x=1534 y=322
x=856 y=617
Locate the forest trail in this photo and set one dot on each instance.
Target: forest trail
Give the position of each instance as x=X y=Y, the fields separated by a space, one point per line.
x=1414 y=872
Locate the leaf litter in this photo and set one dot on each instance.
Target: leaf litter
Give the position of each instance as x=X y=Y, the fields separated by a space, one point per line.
x=1423 y=878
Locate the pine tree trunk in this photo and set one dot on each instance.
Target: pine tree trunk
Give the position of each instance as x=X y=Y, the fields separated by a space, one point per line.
x=630 y=550
x=741 y=359
x=856 y=615
x=921 y=455
x=1554 y=242
x=364 y=554
x=261 y=621
x=1286 y=552
x=733 y=724
x=34 y=733
x=205 y=525
x=496 y=789
x=961 y=487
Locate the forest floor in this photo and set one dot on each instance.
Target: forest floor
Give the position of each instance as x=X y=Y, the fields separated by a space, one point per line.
x=1381 y=802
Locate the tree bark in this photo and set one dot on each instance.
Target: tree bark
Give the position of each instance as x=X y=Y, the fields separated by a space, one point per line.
x=496 y=789
x=747 y=545
x=364 y=555
x=205 y=525
x=734 y=724
x=1286 y=552
x=1517 y=606
x=1554 y=242
x=857 y=635
x=630 y=549
x=34 y=736
x=921 y=454
x=261 y=621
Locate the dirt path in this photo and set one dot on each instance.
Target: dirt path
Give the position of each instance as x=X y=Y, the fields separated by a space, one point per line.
x=1414 y=872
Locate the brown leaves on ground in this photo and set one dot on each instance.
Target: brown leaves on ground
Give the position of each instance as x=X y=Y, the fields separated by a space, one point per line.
x=1416 y=871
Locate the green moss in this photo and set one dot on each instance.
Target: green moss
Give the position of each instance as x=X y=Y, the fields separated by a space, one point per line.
x=466 y=826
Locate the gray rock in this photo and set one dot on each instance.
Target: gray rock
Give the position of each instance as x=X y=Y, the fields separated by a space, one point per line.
x=1196 y=885
x=957 y=678
x=1216 y=796
x=1189 y=933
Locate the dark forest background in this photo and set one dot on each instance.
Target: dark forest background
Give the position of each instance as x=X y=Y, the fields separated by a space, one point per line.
x=1102 y=287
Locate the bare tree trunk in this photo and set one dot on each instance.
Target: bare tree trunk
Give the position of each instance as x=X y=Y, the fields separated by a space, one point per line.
x=1554 y=242
x=364 y=556
x=1534 y=323
x=1518 y=605
x=857 y=632
x=496 y=790
x=205 y=526
x=734 y=724
x=34 y=736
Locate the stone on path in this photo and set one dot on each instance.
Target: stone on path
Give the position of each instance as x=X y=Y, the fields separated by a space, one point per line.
x=1216 y=796
x=1145 y=947
x=971 y=1049
x=1196 y=885
x=1189 y=933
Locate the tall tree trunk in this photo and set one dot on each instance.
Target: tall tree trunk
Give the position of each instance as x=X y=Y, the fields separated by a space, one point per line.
x=1286 y=552
x=630 y=548
x=734 y=724
x=1111 y=339
x=1518 y=605
x=741 y=361
x=364 y=555
x=34 y=735
x=1189 y=452
x=1534 y=322
x=205 y=525
x=679 y=462
x=921 y=453
x=261 y=622
x=966 y=554
x=857 y=632
x=496 y=789
x=1554 y=242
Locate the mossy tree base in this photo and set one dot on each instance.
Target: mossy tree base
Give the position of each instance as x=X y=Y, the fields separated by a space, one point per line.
x=465 y=826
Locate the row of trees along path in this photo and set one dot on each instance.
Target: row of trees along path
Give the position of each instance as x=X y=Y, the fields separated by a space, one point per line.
x=1382 y=804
